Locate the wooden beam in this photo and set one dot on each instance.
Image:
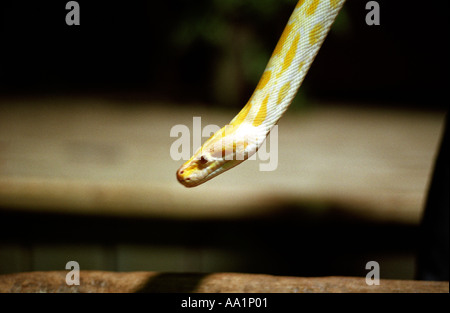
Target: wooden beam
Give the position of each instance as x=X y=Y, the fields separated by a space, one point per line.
x=127 y=282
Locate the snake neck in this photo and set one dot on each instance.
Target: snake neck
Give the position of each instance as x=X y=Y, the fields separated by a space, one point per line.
x=293 y=55
x=290 y=61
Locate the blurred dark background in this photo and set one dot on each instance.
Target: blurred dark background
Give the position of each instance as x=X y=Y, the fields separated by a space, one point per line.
x=213 y=52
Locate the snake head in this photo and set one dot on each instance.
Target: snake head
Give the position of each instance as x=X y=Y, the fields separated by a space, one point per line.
x=200 y=168
x=227 y=148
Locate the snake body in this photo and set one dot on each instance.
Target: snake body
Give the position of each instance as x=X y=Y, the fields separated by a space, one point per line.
x=293 y=55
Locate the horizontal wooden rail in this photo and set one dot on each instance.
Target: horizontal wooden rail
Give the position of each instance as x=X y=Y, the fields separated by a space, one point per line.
x=87 y=156
x=125 y=282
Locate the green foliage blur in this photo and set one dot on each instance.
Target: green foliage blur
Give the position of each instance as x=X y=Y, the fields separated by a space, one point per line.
x=240 y=37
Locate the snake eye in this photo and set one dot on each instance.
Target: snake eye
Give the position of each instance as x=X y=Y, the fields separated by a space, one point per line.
x=203 y=160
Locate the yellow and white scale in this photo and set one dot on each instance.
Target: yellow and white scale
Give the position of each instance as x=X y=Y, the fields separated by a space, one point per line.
x=297 y=47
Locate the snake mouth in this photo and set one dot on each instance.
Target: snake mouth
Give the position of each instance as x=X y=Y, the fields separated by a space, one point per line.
x=186 y=175
x=185 y=181
x=197 y=171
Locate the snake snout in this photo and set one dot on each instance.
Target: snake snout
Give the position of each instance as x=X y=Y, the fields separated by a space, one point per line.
x=181 y=177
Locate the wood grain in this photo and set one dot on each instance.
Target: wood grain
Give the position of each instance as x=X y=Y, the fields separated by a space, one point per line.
x=106 y=282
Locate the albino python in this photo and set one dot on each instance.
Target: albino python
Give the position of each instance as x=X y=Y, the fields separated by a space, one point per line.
x=293 y=55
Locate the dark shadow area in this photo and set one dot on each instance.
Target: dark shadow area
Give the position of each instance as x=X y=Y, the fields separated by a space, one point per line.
x=433 y=261
x=215 y=52
x=173 y=282
x=292 y=242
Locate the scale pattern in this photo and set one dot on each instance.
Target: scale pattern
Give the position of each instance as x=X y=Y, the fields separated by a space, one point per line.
x=293 y=55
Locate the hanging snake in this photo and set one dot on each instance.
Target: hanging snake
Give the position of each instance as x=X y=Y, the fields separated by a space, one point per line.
x=290 y=61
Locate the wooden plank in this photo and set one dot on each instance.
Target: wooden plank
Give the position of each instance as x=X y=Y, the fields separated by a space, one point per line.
x=121 y=282
x=88 y=156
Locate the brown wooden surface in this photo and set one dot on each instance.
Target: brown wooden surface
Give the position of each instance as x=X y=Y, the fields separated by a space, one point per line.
x=98 y=157
x=103 y=282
